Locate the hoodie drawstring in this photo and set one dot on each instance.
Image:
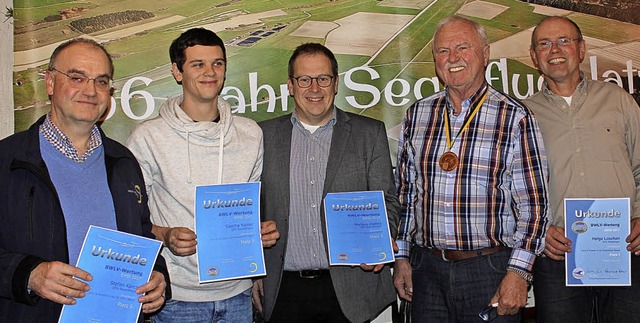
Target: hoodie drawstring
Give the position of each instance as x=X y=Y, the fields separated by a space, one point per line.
x=188 y=158
x=220 y=152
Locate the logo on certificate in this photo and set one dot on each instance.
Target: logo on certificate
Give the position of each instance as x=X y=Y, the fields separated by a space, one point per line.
x=212 y=271
x=382 y=255
x=343 y=257
x=578 y=273
x=579 y=227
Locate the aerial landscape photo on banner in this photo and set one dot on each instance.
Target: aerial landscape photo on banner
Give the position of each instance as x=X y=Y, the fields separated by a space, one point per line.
x=383 y=49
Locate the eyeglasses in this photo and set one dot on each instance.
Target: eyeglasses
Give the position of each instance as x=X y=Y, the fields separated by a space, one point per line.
x=489 y=313
x=305 y=81
x=544 y=45
x=77 y=80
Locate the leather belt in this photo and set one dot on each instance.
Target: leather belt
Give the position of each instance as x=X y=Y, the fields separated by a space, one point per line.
x=308 y=274
x=456 y=255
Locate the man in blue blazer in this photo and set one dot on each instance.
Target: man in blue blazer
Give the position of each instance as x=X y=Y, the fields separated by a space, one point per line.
x=316 y=150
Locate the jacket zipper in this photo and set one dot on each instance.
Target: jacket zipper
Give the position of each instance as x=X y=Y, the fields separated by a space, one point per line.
x=30 y=212
x=36 y=171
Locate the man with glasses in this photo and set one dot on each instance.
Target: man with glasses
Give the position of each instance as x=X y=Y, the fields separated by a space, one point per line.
x=472 y=186
x=316 y=150
x=591 y=130
x=59 y=177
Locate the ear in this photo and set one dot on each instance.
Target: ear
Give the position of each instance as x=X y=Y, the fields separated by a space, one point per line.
x=336 y=85
x=582 y=47
x=486 y=52
x=290 y=86
x=534 y=58
x=176 y=73
x=49 y=82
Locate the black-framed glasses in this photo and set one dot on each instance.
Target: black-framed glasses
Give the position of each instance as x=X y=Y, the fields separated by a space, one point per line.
x=489 y=313
x=304 y=81
x=545 y=45
x=78 y=80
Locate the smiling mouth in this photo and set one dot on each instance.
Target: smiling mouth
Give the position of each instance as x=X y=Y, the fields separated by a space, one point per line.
x=313 y=99
x=456 y=69
x=558 y=60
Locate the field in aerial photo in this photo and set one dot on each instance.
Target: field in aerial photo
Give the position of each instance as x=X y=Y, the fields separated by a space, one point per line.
x=383 y=48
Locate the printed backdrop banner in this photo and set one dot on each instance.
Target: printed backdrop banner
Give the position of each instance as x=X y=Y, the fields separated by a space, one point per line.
x=383 y=49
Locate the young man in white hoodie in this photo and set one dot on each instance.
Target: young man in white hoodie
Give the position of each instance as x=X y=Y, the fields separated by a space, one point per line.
x=196 y=141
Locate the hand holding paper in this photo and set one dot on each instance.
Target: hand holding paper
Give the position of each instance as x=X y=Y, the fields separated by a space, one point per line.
x=54 y=281
x=154 y=290
x=179 y=240
x=634 y=238
x=269 y=233
x=556 y=244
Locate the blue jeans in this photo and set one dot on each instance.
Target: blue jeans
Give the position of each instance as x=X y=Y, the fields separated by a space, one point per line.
x=236 y=309
x=557 y=303
x=455 y=291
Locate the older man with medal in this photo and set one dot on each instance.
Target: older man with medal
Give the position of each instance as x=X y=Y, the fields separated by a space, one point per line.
x=472 y=182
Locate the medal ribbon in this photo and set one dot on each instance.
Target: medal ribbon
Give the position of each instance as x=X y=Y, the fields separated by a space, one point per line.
x=470 y=117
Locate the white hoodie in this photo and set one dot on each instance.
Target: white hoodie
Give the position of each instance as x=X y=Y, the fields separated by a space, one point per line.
x=176 y=154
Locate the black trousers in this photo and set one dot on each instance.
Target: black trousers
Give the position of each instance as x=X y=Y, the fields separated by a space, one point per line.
x=307 y=300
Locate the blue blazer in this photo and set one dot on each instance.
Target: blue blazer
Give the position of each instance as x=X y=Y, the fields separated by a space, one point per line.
x=33 y=227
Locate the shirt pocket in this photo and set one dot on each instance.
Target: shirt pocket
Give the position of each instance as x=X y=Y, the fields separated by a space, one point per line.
x=606 y=140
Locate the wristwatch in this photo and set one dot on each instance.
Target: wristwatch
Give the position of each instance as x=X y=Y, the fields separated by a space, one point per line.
x=527 y=276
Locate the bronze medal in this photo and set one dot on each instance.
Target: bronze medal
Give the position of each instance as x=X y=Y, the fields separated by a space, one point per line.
x=448 y=161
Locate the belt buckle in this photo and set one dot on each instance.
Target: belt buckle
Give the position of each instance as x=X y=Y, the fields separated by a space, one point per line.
x=306 y=274
x=444 y=255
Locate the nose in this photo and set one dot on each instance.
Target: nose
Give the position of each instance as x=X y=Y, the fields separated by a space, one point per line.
x=554 y=47
x=210 y=70
x=453 y=56
x=314 y=85
x=89 y=88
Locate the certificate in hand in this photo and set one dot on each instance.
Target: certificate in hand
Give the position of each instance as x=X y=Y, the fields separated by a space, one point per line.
x=597 y=229
x=357 y=228
x=119 y=263
x=228 y=231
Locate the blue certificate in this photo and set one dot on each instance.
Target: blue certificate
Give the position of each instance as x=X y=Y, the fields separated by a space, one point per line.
x=119 y=263
x=228 y=231
x=357 y=228
x=597 y=229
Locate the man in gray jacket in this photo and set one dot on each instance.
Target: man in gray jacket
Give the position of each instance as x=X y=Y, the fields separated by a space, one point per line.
x=316 y=150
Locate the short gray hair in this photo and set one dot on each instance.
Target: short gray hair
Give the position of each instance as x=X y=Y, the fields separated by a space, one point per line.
x=482 y=33
x=80 y=40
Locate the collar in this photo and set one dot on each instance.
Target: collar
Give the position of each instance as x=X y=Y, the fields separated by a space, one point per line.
x=63 y=144
x=471 y=101
x=580 y=89
x=332 y=121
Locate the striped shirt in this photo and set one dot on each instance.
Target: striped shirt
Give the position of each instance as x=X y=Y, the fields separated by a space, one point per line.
x=306 y=248
x=497 y=196
x=63 y=144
